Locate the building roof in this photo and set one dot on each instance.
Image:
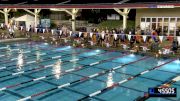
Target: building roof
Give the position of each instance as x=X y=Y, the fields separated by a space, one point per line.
x=87 y=4
x=25 y=17
x=83 y=1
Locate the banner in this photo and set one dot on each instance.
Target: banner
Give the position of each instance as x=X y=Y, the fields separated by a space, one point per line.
x=91 y=34
x=80 y=33
x=129 y=37
x=144 y=38
x=115 y=36
x=161 y=38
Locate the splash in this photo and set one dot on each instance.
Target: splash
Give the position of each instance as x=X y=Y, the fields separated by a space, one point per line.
x=110 y=79
x=9 y=51
x=20 y=60
x=56 y=70
x=38 y=56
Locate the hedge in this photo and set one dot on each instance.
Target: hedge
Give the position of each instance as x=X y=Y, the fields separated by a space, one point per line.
x=116 y=24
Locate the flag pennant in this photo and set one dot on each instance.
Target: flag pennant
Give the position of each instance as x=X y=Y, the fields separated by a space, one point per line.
x=52 y=31
x=28 y=29
x=161 y=38
x=144 y=38
x=70 y=33
x=178 y=39
x=115 y=36
x=91 y=34
x=102 y=35
x=36 y=30
x=80 y=33
x=21 y=28
x=129 y=37
x=43 y=30
x=60 y=32
x=91 y=43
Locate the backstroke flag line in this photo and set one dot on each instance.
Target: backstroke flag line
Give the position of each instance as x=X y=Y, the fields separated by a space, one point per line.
x=144 y=38
x=129 y=37
x=178 y=39
x=161 y=38
x=115 y=36
x=91 y=34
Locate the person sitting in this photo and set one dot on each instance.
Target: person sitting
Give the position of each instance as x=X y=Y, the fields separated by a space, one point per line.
x=159 y=54
x=11 y=32
x=135 y=49
x=166 y=51
x=115 y=41
x=132 y=41
x=2 y=26
x=2 y=35
x=102 y=37
x=125 y=47
x=144 y=48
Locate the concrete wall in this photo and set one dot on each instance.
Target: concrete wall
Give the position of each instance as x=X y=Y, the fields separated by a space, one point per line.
x=156 y=12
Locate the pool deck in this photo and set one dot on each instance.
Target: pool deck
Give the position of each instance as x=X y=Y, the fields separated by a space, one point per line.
x=14 y=39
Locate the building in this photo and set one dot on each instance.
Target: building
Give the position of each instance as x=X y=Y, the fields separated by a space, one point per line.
x=167 y=20
x=26 y=20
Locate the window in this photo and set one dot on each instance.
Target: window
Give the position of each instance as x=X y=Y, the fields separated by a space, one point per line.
x=153 y=19
x=172 y=25
x=166 y=20
x=143 y=20
x=178 y=23
x=148 y=20
x=159 y=20
x=166 y=25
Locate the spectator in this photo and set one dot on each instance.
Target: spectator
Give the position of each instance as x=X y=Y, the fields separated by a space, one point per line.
x=11 y=32
x=64 y=30
x=175 y=46
x=30 y=28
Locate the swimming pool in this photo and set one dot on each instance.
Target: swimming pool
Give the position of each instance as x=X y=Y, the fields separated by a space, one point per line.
x=83 y=74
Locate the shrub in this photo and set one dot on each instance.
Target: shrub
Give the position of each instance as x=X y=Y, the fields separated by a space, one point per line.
x=116 y=24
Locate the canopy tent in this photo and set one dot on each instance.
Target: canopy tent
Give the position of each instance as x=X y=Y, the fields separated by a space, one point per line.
x=28 y=19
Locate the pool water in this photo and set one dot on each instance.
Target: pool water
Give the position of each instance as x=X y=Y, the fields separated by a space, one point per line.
x=35 y=77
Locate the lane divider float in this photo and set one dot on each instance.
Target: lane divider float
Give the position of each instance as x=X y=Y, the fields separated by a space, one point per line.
x=123 y=81
x=39 y=68
x=80 y=80
x=44 y=60
x=66 y=71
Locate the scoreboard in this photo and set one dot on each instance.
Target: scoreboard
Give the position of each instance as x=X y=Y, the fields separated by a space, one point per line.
x=162 y=92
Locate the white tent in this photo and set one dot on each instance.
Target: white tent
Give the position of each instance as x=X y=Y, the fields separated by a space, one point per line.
x=28 y=19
